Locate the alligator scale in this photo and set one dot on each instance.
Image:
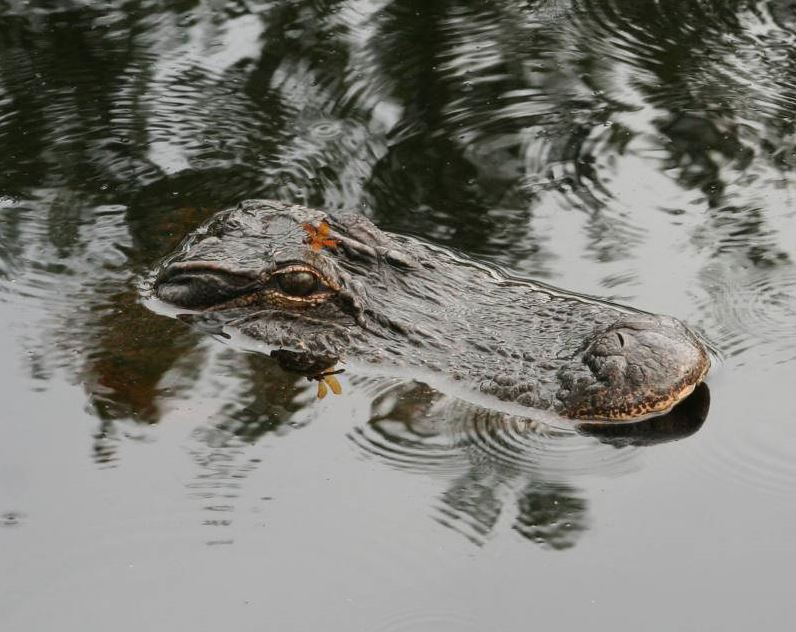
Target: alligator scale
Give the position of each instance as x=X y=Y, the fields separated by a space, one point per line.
x=318 y=287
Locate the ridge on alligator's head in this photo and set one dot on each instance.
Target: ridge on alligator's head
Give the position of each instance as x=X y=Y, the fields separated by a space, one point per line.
x=318 y=287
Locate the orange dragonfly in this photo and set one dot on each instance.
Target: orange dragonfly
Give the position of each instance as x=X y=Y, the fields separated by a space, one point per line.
x=318 y=238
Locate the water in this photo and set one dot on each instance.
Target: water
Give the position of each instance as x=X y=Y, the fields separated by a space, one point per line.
x=155 y=477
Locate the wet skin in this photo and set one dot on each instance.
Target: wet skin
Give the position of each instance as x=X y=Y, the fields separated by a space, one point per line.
x=318 y=287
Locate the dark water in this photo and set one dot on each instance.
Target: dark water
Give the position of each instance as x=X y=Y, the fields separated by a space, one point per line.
x=154 y=478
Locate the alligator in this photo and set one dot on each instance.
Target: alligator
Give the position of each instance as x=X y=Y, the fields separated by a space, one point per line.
x=317 y=287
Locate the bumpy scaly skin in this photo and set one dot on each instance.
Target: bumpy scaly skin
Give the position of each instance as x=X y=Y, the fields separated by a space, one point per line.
x=394 y=300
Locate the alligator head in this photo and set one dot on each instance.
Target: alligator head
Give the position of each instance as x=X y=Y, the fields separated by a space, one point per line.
x=318 y=287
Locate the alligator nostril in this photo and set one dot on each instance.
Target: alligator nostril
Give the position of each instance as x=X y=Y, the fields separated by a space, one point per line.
x=621 y=339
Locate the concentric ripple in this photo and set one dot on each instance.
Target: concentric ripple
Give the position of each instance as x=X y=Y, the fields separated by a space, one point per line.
x=751 y=314
x=408 y=430
x=756 y=448
x=750 y=317
x=416 y=428
x=429 y=621
x=527 y=446
x=759 y=455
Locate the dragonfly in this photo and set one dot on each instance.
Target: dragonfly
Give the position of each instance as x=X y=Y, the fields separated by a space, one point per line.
x=319 y=238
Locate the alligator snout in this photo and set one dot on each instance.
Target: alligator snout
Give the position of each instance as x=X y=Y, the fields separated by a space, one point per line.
x=641 y=365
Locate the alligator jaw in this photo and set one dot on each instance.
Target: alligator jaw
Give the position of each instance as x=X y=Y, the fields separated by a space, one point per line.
x=640 y=367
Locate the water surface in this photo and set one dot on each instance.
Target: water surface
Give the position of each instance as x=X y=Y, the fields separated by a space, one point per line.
x=153 y=476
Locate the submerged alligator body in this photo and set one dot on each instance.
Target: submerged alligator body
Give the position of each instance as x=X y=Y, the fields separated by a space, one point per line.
x=317 y=287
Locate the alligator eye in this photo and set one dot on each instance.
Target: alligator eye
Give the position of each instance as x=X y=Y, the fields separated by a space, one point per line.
x=297 y=283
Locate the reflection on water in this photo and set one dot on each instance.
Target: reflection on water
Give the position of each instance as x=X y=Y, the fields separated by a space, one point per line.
x=642 y=150
x=493 y=459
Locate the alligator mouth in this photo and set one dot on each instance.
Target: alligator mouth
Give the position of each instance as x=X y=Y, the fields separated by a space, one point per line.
x=639 y=368
x=200 y=284
x=683 y=420
x=640 y=409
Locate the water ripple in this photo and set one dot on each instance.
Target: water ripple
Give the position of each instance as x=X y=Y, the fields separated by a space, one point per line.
x=522 y=445
x=752 y=309
x=408 y=430
x=416 y=428
x=427 y=621
x=758 y=451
